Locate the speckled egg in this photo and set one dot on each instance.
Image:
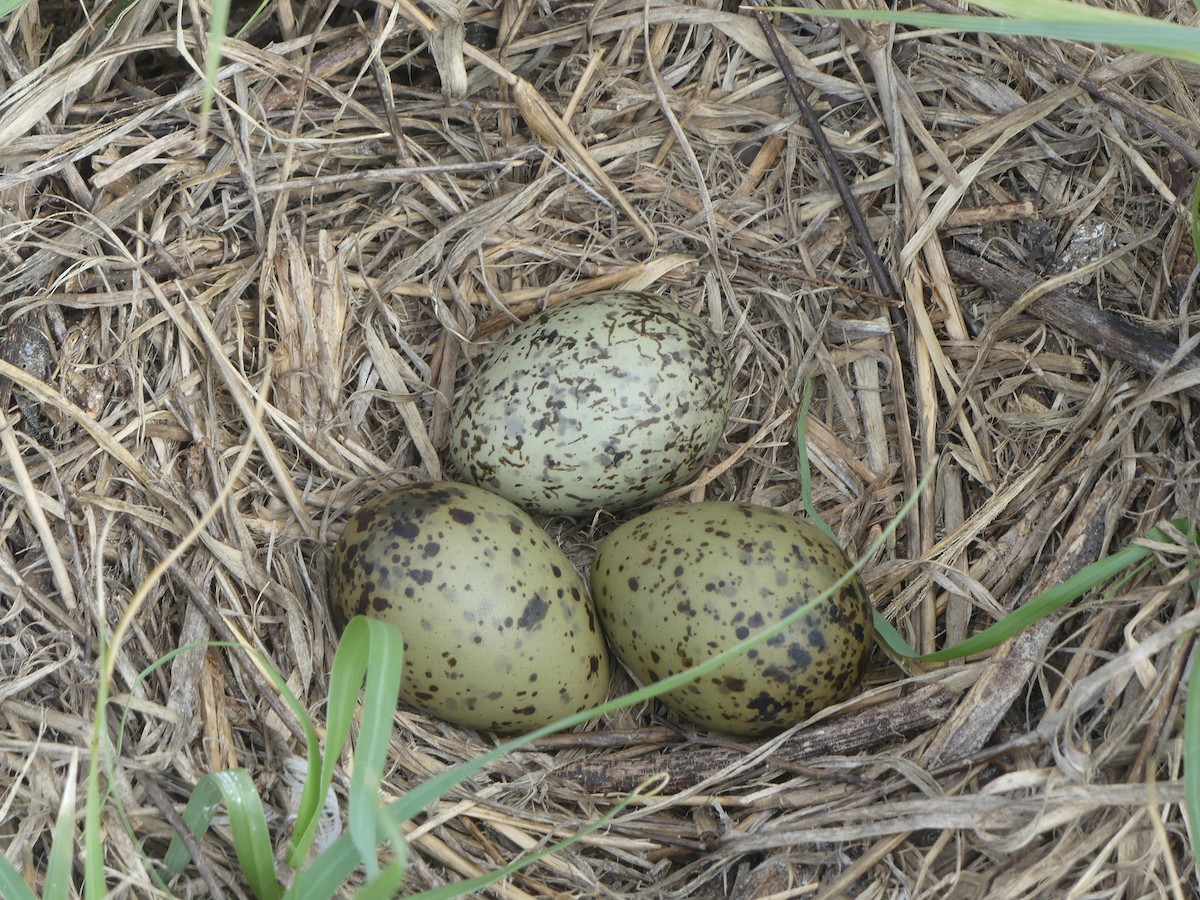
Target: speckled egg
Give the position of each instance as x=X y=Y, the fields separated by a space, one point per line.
x=499 y=633
x=602 y=402
x=680 y=584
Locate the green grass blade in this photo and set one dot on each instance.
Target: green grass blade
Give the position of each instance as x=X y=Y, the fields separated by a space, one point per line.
x=1069 y=11
x=384 y=671
x=326 y=874
x=251 y=838
x=345 y=685
x=197 y=816
x=212 y=59
x=12 y=886
x=1086 y=579
x=94 y=887
x=254 y=17
x=384 y=885
x=332 y=867
x=7 y=6
x=1109 y=27
x=62 y=844
x=369 y=659
x=1191 y=753
x=313 y=794
x=1196 y=214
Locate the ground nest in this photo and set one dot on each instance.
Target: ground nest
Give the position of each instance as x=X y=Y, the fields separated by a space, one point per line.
x=282 y=299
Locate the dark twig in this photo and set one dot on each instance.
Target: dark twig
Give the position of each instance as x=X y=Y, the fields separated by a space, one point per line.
x=882 y=279
x=904 y=436
x=1113 y=336
x=160 y=799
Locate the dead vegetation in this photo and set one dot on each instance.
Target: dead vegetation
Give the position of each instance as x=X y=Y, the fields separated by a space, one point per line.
x=283 y=298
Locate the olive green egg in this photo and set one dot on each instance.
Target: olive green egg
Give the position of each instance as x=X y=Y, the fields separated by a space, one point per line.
x=499 y=633
x=603 y=402
x=680 y=584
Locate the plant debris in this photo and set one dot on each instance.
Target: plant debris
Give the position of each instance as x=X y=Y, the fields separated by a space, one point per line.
x=285 y=296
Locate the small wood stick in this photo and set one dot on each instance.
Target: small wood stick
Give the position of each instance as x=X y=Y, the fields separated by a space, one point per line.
x=924 y=708
x=1113 y=336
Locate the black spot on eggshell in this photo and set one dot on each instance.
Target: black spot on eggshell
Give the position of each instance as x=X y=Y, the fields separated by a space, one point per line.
x=459 y=567
x=741 y=568
x=605 y=401
x=535 y=610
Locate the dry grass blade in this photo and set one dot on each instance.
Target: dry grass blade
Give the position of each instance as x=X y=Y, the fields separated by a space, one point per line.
x=373 y=203
x=553 y=131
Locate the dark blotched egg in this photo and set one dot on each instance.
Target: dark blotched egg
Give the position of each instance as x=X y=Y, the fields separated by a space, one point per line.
x=602 y=402
x=499 y=633
x=678 y=585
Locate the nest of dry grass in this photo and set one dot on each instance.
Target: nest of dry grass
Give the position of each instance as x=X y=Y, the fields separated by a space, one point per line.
x=285 y=297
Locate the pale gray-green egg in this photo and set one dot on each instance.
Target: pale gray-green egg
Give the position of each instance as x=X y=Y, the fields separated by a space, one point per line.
x=680 y=584
x=602 y=402
x=499 y=633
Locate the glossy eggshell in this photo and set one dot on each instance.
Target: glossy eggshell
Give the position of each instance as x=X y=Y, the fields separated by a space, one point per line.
x=680 y=584
x=499 y=633
x=602 y=402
